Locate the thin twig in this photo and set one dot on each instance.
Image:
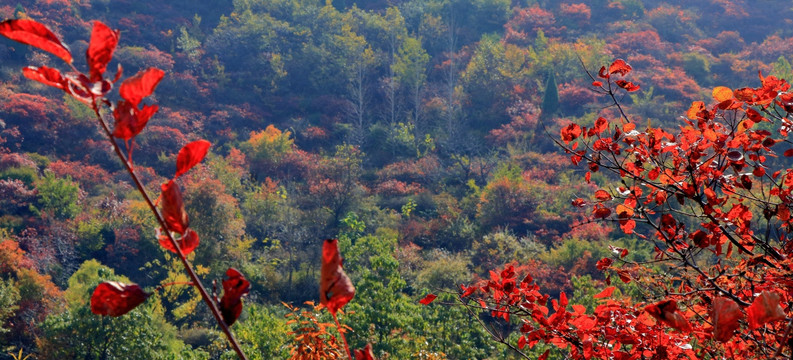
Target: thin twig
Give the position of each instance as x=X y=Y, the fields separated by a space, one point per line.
x=161 y=221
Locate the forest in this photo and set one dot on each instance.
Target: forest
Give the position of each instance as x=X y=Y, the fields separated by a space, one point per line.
x=504 y=179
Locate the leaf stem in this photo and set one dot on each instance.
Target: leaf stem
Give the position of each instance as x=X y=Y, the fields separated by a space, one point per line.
x=161 y=221
x=343 y=338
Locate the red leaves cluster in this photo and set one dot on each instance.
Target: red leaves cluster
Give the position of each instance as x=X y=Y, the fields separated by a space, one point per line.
x=335 y=287
x=173 y=210
x=131 y=120
x=618 y=67
x=616 y=329
x=717 y=166
x=233 y=289
x=112 y=298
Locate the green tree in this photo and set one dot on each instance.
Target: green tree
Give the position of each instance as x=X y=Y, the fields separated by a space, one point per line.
x=550 y=99
x=263 y=334
x=76 y=333
x=58 y=196
x=9 y=298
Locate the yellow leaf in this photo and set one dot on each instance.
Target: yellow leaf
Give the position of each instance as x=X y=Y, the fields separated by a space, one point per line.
x=722 y=93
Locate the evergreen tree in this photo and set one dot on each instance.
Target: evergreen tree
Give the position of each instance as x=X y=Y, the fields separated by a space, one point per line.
x=550 y=101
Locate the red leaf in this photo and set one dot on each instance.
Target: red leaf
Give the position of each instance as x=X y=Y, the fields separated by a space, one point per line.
x=173 y=208
x=35 y=34
x=190 y=155
x=764 y=309
x=627 y=226
x=602 y=195
x=601 y=212
x=544 y=355
x=100 y=50
x=233 y=288
x=597 y=84
x=579 y=202
x=666 y=312
x=428 y=299
x=570 y=133
x=605 y=293
x=141 y=85
x=627 y=85
x=335 y=288
x=788 y=152
x=725 y=315
x=364 y=354
x=47 y=76
x=602 y=73
x=604 y=263
x=129 y=120
x=112 y=298
x=188 y=242
x=619 y=66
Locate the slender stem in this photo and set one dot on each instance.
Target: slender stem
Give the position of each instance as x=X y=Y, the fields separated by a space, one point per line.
x=188 y=267
x=343 y=338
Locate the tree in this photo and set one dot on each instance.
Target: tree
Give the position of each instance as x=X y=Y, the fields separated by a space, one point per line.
x=77 y=333
x=410 y=72
x=712 y=199
x=550 y=98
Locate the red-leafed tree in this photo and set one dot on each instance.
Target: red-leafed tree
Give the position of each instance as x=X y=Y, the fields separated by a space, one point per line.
x=712 y=197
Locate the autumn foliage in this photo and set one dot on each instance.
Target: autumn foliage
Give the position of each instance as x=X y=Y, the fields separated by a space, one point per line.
x=114 y=298
x=716 y=213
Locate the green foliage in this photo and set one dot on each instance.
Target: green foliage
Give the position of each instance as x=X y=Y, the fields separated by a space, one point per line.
x=411 y=63
x=24 y=174
x=91 y=235
x=443 y=270
x=58 y=196
x=697 y=65
x=382 y=314
x=9 y=303
x=262 y=332
x=782 y=69
x=76 y=333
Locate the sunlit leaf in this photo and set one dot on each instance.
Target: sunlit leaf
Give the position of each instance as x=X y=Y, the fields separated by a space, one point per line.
x=764 y=309
x=100 y=49
x=141 y=85
x=47 y=76
x=722 y=93
x=37 y=35
x=607 y=292
x=619 y=66
x=190 y=155
x=187 y=243
x=428 y=299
